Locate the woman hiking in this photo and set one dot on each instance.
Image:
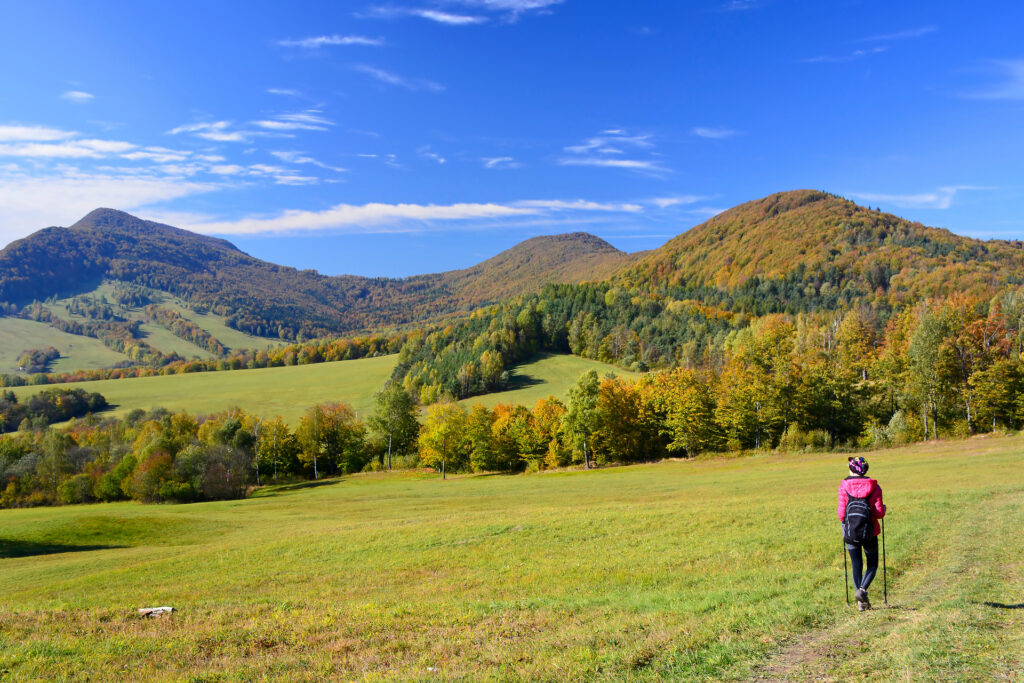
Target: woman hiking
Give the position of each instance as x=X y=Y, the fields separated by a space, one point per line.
x=860 y=507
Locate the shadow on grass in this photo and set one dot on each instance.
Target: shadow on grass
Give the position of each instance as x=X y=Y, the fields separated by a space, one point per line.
x=1000 y=605
x=12 y=548
x=285 y=488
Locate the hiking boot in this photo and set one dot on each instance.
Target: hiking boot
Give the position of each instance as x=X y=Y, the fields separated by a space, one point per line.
x=861 y=596
x=862 y=606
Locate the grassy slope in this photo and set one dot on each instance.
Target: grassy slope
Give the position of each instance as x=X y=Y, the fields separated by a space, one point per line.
x=79 y=352
x=18 y=335
x=285 y=391
x=650 y=572
x=288 y=391
x=547 y=375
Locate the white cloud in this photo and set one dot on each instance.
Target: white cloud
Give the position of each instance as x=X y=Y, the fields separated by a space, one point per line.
x=500 y=162
x=294 y=157
x=1010 y=85
x=284 y=92
x=400 y=81
x=713 y=133
x=15 y=133
x=631 y=164
x=357 y=217
x=69 y=149
x=579 y=205
x=607 y=149
x=160 y=155
x=30 y=203
x=942 y=198
x=77 y=96
x=433 y=156
x=380 y=217
x=447 y=17
x=849 y=57
x=217 y=131
x=901 y=35
x=666 y=202
x=324 y=41
x=311 y=119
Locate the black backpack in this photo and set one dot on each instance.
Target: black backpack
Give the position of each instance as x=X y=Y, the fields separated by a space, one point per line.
x=857 y=526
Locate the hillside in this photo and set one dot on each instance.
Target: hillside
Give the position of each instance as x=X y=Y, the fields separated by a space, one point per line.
x=805 y=249
x=269 y=300
x=654 y=572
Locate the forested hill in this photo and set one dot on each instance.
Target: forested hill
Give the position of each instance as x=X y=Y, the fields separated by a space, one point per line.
x=807 y=250
x=276 y=301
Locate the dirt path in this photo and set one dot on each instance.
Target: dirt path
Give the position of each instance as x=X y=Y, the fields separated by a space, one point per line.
x=942 y=597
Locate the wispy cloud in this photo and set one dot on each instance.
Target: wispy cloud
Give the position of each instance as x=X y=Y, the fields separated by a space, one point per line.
x=311 y=119
x=609 y=150
x=294 y=157
x=27 y=201
x=409 y=217
x=316 y=42
x=500 y=162
x=713 y=133
x=900 y=35
x=77 y=96
x=216 y=131
x=447 y=17
x=741 y=5
x=677 y=200
x=479 y=11
x=67 y=149
x=631 y=164
x=284 y=92
x=579 y=205
x=848 y=57
x=390 y=78
x=363 y=217
x=942 y=198
x=1008 y=84
x=16 y=133
x=426 y=153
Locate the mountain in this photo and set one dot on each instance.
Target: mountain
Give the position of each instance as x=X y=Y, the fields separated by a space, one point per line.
x=271 y=300
x=807 y=249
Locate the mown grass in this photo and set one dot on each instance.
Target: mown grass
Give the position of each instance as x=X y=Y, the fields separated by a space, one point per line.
x=268 y=392
x=77 y=352
x=716 y=569
x=289 y=391
x=546 y=375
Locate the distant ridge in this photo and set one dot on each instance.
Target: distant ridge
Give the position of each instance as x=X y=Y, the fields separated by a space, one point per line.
x=278 y=301
x=784 y=243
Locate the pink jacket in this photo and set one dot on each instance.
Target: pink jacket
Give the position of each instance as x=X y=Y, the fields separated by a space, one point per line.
x=859 y=487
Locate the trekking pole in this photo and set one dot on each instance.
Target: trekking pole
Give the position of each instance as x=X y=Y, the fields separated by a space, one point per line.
x=885 y=586
x=846 y=576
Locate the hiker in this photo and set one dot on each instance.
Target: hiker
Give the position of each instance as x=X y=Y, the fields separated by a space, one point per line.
x=860 y=508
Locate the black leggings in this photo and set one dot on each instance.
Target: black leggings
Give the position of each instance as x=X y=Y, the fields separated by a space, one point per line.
x=871 y=553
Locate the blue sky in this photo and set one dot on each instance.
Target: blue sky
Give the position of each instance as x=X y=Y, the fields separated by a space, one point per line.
x=422 y=135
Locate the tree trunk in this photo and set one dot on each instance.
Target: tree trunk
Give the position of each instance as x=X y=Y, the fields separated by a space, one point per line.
x=442 y=470
x=389 y=451
x=586 y=459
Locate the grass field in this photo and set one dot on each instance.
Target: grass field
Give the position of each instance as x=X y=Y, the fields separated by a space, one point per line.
x=726 y=569
x=77 y=352
x=86 y=353
x=286 y=391
x=544 y=376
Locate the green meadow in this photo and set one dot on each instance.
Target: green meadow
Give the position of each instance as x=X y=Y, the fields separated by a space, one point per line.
x=723 y=569
x=77 y=352
x=289 y=391
x=543 y=376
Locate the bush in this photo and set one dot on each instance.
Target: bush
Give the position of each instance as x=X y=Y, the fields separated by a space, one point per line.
x=793 y=440
x=77 y=489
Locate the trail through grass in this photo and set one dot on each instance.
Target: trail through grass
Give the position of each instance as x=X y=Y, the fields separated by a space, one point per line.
x=716 y=569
